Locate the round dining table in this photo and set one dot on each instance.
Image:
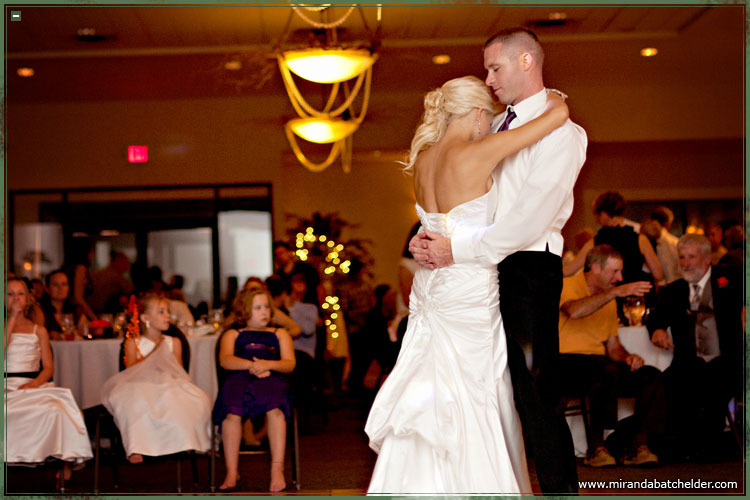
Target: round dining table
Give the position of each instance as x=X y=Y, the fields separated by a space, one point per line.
x=84 y=365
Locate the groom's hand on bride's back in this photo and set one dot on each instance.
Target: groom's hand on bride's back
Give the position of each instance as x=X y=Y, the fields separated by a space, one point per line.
x=431 y=250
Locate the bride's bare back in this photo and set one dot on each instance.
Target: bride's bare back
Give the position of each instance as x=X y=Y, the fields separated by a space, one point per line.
x=457 y=169
x=443 y=181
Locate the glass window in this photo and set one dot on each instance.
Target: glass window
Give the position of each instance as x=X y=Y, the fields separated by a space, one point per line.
x=186 y=252
x=245 y=240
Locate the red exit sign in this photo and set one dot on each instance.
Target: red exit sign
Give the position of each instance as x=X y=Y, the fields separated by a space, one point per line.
x=137 y=154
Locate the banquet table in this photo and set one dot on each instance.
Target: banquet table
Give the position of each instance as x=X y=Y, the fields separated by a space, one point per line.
x=635 y=340
x=84 y=365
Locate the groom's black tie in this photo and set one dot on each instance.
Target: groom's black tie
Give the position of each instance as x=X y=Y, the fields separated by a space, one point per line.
x=508 y=118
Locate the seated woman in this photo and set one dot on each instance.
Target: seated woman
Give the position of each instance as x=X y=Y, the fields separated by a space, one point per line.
x=156 y=406
x=57 y=302
x=42 y=420
x=256 y=358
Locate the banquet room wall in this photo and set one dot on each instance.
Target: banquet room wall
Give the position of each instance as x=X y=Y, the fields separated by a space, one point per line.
x=232 y=140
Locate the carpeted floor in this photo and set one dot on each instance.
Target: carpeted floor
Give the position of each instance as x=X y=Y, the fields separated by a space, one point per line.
x=335 y=459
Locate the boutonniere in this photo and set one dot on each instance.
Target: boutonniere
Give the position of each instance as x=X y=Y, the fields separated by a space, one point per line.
x=722 y=281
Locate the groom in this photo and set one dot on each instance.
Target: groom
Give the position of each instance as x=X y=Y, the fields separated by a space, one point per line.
x=532 y=198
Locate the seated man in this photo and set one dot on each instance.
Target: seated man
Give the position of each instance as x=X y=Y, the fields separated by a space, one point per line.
x=593 y=363
x=704 y=311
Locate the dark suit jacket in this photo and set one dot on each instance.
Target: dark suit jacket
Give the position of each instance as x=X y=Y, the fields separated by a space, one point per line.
x=673 y=310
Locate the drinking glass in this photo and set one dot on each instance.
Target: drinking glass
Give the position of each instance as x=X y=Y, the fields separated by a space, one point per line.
x=120 y=321
x=68 y=326
x=635 y=308
x=217 y=318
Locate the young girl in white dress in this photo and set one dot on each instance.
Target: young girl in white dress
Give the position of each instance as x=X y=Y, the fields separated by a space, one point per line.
x=42 y=420
x=156 y=406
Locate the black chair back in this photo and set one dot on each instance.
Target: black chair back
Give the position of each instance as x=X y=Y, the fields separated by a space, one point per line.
x=221 y=373
x=175 y=332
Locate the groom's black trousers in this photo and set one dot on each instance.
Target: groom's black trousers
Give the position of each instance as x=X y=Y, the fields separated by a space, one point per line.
x=530 y=287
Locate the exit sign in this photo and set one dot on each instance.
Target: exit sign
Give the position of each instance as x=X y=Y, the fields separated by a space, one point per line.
x=137 y=154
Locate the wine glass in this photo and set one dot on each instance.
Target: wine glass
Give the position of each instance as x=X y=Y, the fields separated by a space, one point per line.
x=634 y=309
x=67 y=325
x=216 y=318
x=120 y=321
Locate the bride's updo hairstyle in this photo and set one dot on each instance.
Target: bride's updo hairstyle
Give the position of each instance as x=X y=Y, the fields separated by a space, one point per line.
x=455 y=98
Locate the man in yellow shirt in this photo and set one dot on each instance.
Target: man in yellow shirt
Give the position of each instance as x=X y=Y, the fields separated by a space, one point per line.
x=593 y=362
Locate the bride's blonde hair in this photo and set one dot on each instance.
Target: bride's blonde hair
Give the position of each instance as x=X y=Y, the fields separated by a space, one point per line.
x=454 y=99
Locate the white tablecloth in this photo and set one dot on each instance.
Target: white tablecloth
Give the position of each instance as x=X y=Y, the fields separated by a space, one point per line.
x=84 y=365
x=636 y=340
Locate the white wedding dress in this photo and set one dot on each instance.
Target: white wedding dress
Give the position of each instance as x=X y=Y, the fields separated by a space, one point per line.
x=44 y=421
x=444 y=421
x=157 y=407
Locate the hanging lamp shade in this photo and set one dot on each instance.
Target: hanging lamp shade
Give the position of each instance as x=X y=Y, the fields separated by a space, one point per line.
x=322 y=130
x=328 y=65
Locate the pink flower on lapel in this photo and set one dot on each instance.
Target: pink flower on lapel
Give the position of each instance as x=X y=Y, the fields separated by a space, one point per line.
x=722 y=281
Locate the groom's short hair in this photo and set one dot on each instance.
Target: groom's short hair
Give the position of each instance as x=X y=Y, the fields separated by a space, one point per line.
x=523 y=38
x=599 y=255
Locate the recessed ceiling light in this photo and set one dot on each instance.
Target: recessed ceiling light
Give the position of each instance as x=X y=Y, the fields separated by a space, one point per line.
x=441 y=59
x=25 y=72
x=555 y=16
x=90 y=35
x=649 y=52
x=233 y=65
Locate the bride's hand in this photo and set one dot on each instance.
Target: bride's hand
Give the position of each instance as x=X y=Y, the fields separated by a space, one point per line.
x=556 y=105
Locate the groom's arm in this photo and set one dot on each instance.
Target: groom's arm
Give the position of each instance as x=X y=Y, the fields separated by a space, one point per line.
x=538 y=204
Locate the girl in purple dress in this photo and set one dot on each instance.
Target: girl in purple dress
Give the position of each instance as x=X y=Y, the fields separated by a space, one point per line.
x=256 y=359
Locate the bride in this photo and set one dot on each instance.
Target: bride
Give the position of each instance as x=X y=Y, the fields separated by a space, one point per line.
x=445 y=421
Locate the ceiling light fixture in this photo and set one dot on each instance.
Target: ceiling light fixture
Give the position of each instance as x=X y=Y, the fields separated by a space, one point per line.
x=25 y=72
x=649 y=52
x=334 y=65
x=441 y=59
x=328 y=65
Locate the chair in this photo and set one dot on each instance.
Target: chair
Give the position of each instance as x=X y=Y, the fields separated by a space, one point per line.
x=575 y=405
x=292 y=425
x=104 y=418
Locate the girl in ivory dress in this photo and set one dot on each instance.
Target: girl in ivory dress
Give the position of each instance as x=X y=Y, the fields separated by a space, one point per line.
x=42 y=420
x=157 y=407
x=256 y=359
x=445 y=420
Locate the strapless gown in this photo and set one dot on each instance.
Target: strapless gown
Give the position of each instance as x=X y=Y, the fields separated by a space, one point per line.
x=444 y=421
x=44 y=421
x=157 y=407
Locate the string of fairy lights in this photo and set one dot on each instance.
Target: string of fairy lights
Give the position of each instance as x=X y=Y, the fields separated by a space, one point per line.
x=333 y=256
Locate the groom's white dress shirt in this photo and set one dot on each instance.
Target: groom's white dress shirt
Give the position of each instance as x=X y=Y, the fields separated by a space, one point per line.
x=532 y=192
